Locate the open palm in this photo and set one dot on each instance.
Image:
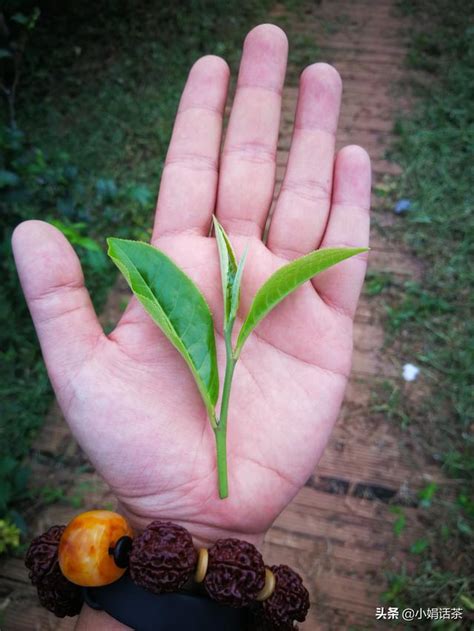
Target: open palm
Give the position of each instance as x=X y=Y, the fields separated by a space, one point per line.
x=129 y=397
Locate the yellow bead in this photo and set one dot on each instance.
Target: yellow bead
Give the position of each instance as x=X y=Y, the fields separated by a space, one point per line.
x=84 y=556
x=269 y=586
x=202 y=563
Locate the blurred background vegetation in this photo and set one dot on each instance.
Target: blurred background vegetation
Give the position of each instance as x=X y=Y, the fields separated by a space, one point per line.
x=90 y=92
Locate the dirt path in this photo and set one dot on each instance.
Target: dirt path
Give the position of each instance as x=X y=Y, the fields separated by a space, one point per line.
x=338 y=531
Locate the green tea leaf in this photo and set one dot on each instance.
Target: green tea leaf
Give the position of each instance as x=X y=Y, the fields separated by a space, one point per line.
x=228 y=264
x=287 y=279
x=235 y=299
x=176 y=305
x=231 y=273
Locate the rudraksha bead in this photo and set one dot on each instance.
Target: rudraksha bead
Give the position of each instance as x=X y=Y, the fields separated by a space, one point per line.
x=55 y=592
x=235 y=573
x=289 y=601
x=162 y=557
x=42 y=554
x=59 y=595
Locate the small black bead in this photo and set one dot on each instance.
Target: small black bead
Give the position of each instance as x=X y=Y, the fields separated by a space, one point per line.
x=121 y=551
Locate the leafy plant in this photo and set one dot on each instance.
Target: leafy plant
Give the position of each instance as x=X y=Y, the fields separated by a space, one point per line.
x=397 y=583
x=15 y=29
x=419 y=546
x=52 y=494
x=180 y=310
x=377 y=282
x=427 y=493
x=400 y=522
x=13 y=482
x=9 y=536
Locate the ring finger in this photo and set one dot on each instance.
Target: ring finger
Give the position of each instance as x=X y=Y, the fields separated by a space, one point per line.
x=303 y=205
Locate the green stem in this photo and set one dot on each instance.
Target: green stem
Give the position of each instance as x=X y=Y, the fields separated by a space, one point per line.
x=221 y=429
x=221 y=450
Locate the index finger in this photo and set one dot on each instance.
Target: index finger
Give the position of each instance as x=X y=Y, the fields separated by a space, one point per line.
x=189 y=182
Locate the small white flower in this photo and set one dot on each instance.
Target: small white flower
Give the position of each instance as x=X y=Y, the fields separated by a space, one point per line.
x=410 y=372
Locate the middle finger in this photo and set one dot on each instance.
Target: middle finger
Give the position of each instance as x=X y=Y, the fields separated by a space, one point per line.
x=247 y=174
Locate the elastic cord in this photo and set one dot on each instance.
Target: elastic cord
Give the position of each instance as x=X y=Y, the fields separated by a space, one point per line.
x=182 y=611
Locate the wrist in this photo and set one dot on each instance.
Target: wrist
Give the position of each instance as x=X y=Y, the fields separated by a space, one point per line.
x=204 y=535
x=92 y=620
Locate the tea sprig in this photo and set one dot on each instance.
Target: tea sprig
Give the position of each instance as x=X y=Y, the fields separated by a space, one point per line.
x=180 y=310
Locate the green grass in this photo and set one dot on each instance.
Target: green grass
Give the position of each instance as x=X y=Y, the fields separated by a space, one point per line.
x=432 y=320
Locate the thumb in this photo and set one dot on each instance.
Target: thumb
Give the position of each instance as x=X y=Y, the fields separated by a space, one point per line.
x=53 y=284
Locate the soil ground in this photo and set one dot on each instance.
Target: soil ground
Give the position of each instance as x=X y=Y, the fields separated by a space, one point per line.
x=338 y=532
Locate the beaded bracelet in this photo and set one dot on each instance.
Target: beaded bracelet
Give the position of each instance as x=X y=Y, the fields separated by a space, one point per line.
x=97 y=548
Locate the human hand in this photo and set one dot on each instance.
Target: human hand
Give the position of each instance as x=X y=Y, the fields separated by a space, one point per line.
x=129 y=397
